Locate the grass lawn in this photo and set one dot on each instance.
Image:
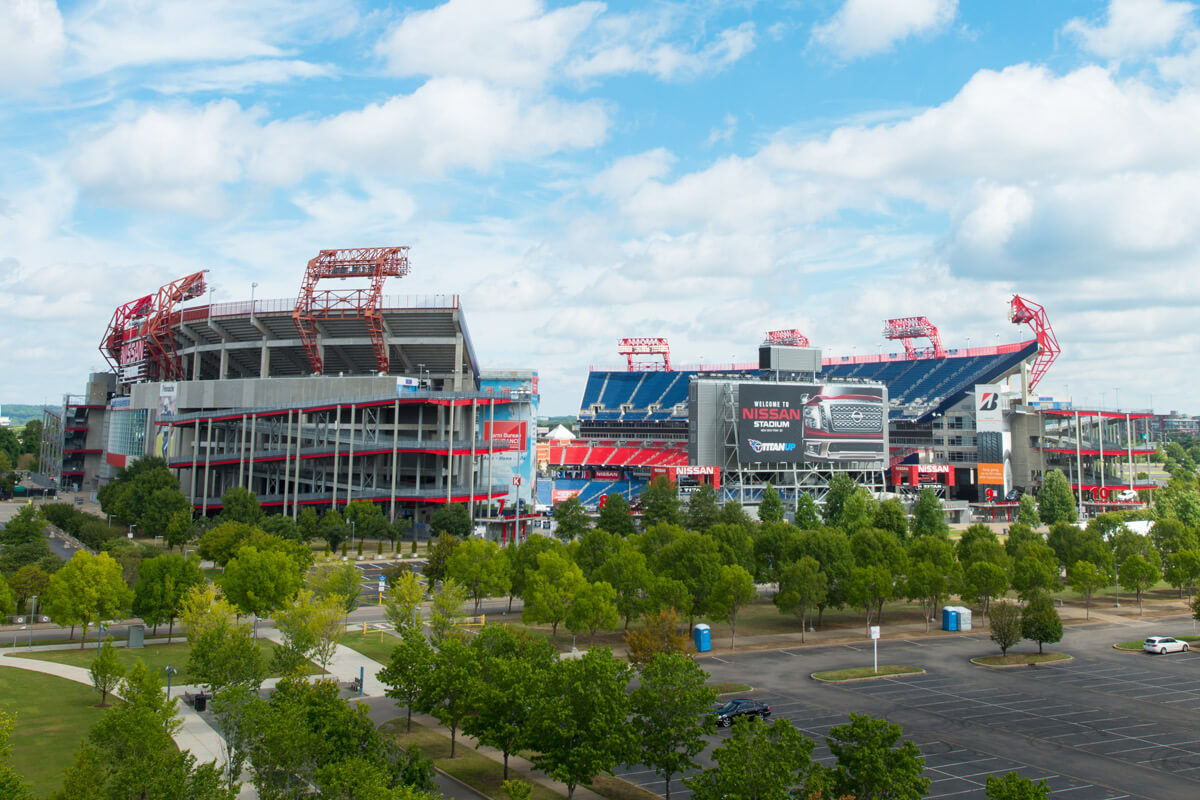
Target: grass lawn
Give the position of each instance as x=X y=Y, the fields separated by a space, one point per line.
x=53 y=716
x=854 y=673
x=156 y=657
x=377 y=645
x=1017 y=659
x=1136 y=644
x=473 y=769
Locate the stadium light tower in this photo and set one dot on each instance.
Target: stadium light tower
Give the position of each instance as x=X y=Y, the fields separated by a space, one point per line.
x=643 y=354
x=906 y=329
x=1027 y=312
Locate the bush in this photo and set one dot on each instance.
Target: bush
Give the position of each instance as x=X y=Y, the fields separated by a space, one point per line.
x=96 y=534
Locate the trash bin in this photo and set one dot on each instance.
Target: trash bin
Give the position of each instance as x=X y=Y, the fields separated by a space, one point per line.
x=949 y=618
x=702 y=635
x=137 y=636
x=201 y=701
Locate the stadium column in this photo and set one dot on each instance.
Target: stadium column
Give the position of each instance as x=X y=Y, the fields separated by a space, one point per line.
x=264 y=362
x=420 y=455
x=253 y=441
x=287 y=451
x=471 y=470
x=491 y=451
x=207 y=459
x=395 y=452
x=449 y=450
x=458 y=358
x=242 y=456
x=296 y=472
x=1129 y=445
x=350 y=458
x=195 y=461
x=337 y=453
x=197 y=360
x=1100 y=427
x=1078 y=461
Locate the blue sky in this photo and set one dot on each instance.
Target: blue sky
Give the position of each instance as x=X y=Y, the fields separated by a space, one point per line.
x=580 y=172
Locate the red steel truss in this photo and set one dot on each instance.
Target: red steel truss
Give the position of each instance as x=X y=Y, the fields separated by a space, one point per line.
x=377 y=264
x=641 y=354
x=122 y=329
x=1022 y=311
x=156 y=332
x=908 y=328
x=790 y=338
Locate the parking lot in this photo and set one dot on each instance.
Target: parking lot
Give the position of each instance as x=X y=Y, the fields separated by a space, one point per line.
x=1107 y=725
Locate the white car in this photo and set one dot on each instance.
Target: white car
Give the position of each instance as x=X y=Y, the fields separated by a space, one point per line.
x=1163 y=645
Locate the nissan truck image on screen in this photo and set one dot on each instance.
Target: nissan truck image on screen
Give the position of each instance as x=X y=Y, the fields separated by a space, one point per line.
x=811 y=422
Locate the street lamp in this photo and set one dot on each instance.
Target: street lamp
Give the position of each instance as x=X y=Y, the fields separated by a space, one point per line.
x=353 y=531
x=253 y=286
x=170 y=670
x=32 y=617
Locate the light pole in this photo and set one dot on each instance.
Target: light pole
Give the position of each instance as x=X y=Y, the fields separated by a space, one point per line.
x=1117 y=585
x=420 y=376
x=353 y=531
x=170 y=670
x=253 y=286
x=32 y=617
x=100 y=631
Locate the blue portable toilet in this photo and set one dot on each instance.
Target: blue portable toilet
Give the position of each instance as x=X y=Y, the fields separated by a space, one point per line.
x=702 y=635
x=949 y=618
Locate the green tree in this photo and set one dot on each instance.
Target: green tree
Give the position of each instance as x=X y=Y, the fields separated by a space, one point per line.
x=1040 y=621
x=162 y=583
x=1004 y=619
x=1138 y=574
x=761 y=762
x=342 y=581
x=446 y=608
x=1027 y=511
x=402 y=602
x=407 y=670
x=282 y=527
x=594 y=549
x=1035 y=571
x=333 y=529
x=736 y=545
x=551 y=591
x=694 y=560
x=512 y=663
x=773 y=543
x=979 y=543
x=159 y=512
x=1183 y=571
x=580 y=727
x=660 y=634
x=891 y=516
x=615 y=516
x=831 y=548
x=27 y=582
x=732 y=591
x=88 y=589
x=308 y=524
x=770 y=508
x=570 y=519
x=452 y=518
x=369 y=521
x=1055 y=501
x=701 y=511
x=660 y=503
x=479 y=567
x=311 y=626
x=873 y=763
x=593 y=608
x=440 y=552
x=869 y=588
x=928 y=583
x=106 y=672
x=8 y=599
x=449 y=685
x=221 y=542
x=670 y=716
x=808 y=516
x=627 y=573
x=522 y=560
x=260 y=582
x=226 y=655
x=802 y=587
x=240 y=505
x=1013 y=786
x=984 y=581
x=1085 y=578
x=180 y=529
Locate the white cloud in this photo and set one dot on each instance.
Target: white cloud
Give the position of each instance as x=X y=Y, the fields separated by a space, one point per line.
x=1133 y=28
x=31 y=44
x=640 y=43
x=110 y=34
x=626 y=175
x=180 y=157
x=240 y=78
x=511 y=43
x=866 y=27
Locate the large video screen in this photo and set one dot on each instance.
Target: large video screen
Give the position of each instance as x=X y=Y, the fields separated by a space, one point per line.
x=811 y=423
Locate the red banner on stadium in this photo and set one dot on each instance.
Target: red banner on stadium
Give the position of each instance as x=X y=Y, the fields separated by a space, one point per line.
x=511 y=432
x=608 y=474
x=559 y=495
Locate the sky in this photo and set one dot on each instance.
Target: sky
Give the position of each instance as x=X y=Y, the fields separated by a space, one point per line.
x=584 y=171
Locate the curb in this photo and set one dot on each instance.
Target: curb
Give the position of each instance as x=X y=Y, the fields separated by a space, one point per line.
x=814 y=677
x=976 y=663
x=1120 y=649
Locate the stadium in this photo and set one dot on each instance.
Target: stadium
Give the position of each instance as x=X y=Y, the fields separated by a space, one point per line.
x=349 y=394
x=966 y=422
x=334 y=396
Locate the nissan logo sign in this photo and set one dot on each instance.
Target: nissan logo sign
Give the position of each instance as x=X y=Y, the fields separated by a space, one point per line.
x=856 y=415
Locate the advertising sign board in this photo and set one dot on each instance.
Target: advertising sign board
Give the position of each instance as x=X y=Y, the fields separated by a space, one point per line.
x=803 y=422
x=991 y=475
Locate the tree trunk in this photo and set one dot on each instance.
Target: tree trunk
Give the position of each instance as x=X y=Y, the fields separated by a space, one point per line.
x=732 y=630
x=453 y=735
x=83 y=638
x=505 y=765
x=410 y=718
x=170 y=630
x=820 y=615
x=570 y=791
x=1039 y=648
x=667 y=788
x=554 y=634
x=802 y=625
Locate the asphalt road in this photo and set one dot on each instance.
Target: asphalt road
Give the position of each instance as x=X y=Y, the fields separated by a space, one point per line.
x=1105 y=726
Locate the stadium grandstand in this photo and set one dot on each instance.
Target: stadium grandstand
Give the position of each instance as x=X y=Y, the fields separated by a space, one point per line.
x=635 y=419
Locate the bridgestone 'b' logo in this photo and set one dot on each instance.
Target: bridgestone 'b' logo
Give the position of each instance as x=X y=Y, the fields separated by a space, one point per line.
x=771 y=447
x=990 y=401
